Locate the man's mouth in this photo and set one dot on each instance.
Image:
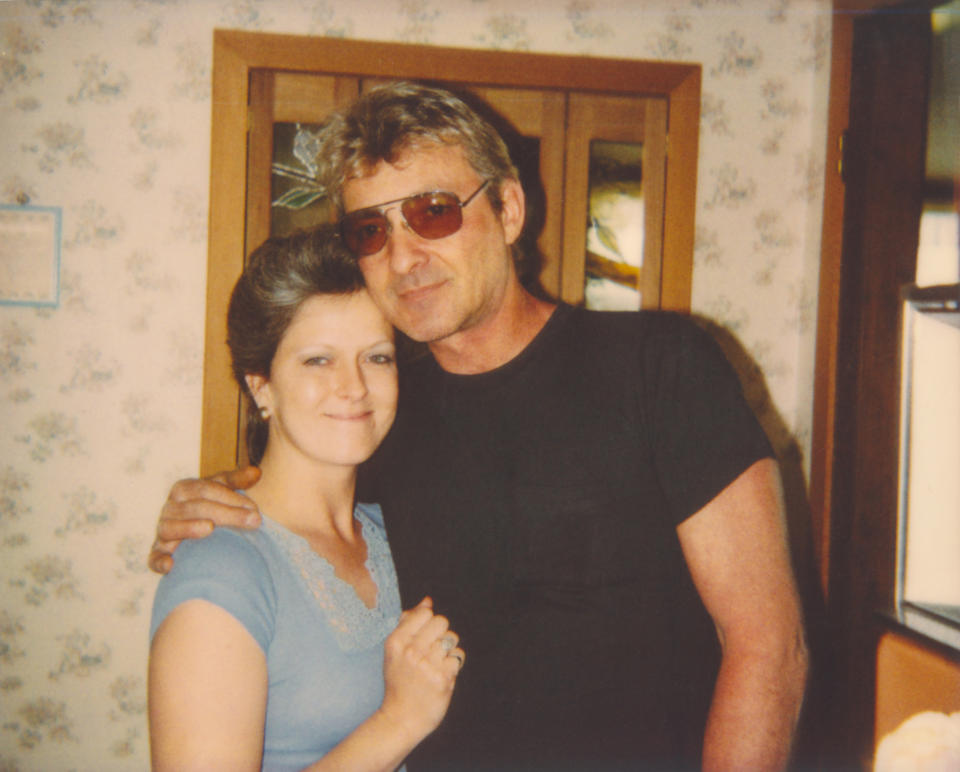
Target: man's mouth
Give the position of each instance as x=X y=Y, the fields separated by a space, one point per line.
x=418 y=293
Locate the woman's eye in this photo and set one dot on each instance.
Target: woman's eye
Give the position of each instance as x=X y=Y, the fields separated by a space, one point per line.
x=381 y=359
x=317 y=361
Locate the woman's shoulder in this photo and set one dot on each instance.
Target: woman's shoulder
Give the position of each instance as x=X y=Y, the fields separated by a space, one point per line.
x=228 y=563
x=230 y=568
x=234 y=546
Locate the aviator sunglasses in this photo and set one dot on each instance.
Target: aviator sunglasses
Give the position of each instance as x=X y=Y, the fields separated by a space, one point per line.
x=429 y=215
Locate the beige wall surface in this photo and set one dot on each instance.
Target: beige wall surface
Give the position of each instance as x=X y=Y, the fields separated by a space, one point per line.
x=105 y=113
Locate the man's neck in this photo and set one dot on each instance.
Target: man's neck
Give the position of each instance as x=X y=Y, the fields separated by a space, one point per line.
x=496 y=340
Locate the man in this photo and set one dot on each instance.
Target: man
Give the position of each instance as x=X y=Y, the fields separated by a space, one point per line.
x=587 y=495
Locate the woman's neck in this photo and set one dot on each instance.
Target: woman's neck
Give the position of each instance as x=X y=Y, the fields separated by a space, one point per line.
x=315 y=501
x=308 y=499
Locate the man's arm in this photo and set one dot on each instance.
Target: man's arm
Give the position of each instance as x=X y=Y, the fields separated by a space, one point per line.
x=194 y=507
x=736 y=549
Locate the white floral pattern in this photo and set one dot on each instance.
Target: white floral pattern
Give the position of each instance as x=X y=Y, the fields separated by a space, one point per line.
x=105 y=112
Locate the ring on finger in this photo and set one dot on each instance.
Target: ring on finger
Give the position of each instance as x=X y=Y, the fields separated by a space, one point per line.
x=447 y=642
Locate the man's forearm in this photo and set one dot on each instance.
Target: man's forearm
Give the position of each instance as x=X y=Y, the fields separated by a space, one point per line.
x=737 y=551
x=755 y=707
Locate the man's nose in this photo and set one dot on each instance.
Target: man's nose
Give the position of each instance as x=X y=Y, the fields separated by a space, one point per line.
x=404 y=248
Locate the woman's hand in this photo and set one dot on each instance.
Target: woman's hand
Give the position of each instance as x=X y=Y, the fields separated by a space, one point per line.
x=421 y=663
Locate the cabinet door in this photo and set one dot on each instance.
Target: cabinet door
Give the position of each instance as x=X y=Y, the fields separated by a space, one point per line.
x=284 y=105
x=537 y=118
x=613 y=201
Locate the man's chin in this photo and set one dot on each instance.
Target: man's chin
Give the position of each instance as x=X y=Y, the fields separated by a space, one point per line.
x=424 y=329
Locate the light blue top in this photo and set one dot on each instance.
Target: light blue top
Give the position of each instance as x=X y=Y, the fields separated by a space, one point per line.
x=324 y=647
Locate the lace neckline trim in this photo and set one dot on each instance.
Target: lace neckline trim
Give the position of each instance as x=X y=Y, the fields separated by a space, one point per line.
x=355 y=626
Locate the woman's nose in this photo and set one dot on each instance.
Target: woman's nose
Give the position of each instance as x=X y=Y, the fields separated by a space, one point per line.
x=351 y=383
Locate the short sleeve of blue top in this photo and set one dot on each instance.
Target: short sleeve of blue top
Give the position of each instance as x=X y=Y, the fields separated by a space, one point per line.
x=324 y=647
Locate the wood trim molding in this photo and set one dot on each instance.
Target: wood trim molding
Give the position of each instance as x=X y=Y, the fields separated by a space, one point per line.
x=228 y=194
x=828 y=303
x=465 y=65
x=683 y=131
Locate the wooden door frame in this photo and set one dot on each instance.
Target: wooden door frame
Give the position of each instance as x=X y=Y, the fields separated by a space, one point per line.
x=876 y=136
x=238 y=54
x=846 y=13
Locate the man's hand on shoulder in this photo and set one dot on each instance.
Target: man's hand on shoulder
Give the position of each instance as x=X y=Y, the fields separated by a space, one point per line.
x=194 y=507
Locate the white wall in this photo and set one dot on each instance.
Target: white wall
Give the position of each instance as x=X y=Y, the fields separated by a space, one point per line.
x=932 y=490
x=105 y=112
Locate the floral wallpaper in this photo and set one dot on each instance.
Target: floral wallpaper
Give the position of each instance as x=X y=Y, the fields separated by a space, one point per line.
x=105 y=113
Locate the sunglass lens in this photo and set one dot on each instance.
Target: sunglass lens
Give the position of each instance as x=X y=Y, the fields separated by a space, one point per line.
x=433 y=215
x=364 y=232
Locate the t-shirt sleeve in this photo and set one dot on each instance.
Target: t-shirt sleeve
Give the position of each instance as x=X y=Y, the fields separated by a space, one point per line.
x=704 y=432
x=227 y=570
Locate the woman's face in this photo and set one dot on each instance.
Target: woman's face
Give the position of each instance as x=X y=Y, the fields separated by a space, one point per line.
x=332 y=391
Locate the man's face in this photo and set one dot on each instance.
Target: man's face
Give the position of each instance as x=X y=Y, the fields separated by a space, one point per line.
x=435 y=288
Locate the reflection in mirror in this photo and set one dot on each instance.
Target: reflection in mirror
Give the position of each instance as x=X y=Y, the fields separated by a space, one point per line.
x=614 y=246
x=297 y=200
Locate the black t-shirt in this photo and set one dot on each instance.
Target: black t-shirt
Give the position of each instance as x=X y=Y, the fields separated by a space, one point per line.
x=537 y=505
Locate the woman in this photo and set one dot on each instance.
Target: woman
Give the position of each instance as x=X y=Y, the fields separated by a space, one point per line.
x=284 y=648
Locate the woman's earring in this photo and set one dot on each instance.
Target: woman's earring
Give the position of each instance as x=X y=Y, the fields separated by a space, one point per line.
x=264 y=414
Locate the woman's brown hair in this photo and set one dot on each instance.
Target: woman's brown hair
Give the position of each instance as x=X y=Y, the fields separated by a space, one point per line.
x=280 y=275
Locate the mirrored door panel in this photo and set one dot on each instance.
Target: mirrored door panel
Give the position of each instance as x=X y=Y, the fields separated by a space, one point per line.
x=614 y=194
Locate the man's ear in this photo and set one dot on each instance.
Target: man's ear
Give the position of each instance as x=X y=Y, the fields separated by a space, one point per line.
x=259 y=388
x=514 y=209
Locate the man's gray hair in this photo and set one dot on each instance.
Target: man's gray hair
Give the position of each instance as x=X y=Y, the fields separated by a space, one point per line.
x=393 y=118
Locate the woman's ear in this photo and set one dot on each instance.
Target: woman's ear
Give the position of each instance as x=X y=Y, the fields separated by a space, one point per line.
x=259 y=388
x=513 y=212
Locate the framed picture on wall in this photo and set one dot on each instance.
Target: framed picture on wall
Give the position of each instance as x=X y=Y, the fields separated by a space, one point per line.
x=30 y=255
